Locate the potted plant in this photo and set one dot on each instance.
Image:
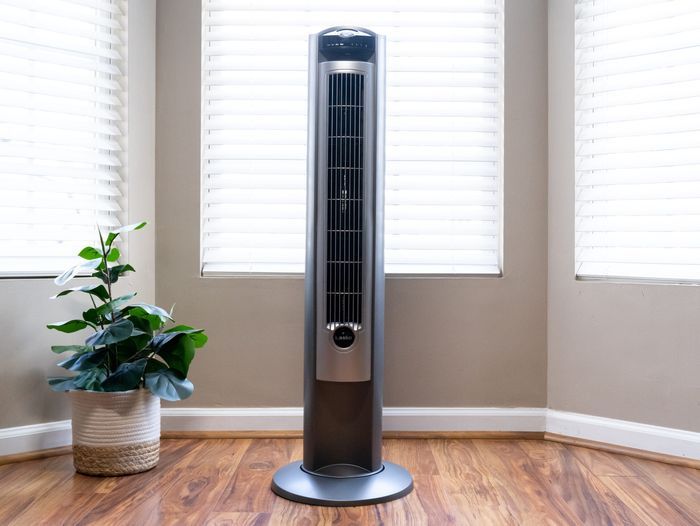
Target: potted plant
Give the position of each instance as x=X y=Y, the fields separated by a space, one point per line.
x=129 y=362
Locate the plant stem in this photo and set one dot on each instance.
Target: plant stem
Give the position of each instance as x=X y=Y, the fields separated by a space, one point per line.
x=95 y=306
x=105 y=272
x=109 y=360
x=111 y=353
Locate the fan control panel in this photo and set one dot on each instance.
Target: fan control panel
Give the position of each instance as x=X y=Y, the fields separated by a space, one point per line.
x=347 y=43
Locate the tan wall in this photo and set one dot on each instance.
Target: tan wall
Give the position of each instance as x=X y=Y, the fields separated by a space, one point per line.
x=449 y=342
x=617 y=350
x=24 y=305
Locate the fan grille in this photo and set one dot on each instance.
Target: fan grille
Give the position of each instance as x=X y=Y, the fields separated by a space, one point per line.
x=345 y=194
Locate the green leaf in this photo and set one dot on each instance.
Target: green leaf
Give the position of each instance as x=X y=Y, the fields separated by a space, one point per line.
x=145 y=321
x=113 y=254
x=197 y=335
x=69 y=274
x=58 y=349
x=119 y=270
x=163 y=339
x=99 y=274
x=96 y=290
x=107 y=310
x=115 y=333
x=91 y=316
x=68 y=326
x=168 y=385
x=113 y=306
x=62 y=383
x=127 y=376
x=179 y=355
x=199 y=339
x=114 y=273
x=128 y=228
x=149 y=309
x=110 y=238
x=136 y=346
x=91 y=380
x=183 y=329
x=90 y=253
x=154 y=365
x=83 y=361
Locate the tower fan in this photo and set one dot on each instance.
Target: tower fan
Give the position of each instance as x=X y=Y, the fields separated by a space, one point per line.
x=344 y=322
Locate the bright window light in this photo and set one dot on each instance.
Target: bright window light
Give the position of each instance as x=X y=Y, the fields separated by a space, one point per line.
x=62 y=126
x=443 y=132
x=638 y=139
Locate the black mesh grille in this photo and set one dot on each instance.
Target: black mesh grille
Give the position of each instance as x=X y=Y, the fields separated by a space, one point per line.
x=345 y=199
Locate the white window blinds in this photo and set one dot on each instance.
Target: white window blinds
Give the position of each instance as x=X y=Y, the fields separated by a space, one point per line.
x=62 y=112
x=443 y=136
x=638 y=139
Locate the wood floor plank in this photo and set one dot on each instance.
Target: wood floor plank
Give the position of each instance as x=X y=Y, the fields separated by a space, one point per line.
x=249 y=488
x=202 y=482
x=530 y=499
x=652 y=507
x=407 y=511
x=233 y=518
x=680 y=484
x=410 y=452
x=24 y=491
x=296 y=450
x=286 y=512
x=474 y=498
x=457 y=481
x=434 y=500
x=603 y=463
x=612 y=469
x=576 y=487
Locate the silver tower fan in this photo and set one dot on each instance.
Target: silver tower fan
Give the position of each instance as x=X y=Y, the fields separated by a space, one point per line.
x=344 y=324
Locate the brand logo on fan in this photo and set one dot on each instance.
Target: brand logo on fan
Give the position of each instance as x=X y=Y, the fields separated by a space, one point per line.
x=343 y=337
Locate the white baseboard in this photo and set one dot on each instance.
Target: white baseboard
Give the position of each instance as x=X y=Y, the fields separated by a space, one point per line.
x=395 y=419
x=657 y=439
x=646 y=437
x=463 y=418
x=35 y=437
x=231 y=418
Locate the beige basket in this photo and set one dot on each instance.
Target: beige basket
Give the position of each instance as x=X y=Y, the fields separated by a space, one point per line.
x=115 y=433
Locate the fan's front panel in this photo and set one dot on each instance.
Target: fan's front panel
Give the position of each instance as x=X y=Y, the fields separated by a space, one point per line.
x=344 y=221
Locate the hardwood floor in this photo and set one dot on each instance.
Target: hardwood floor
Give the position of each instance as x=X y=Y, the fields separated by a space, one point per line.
x=457 y=481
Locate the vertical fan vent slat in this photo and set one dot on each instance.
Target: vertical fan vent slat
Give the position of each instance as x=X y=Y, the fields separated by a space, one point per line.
x=344 y=207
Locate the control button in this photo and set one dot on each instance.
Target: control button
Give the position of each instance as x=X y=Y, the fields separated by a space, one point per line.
x=346 y=33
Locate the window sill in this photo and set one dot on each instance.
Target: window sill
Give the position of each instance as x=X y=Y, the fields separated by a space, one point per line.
x=621 y=280
x=262 y=275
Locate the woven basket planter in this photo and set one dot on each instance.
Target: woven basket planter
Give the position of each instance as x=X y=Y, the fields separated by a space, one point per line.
x=115 y=433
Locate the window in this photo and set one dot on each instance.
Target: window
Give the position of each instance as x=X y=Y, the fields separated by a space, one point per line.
x=638 y=139
x=443 y=137
x=62 y=126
